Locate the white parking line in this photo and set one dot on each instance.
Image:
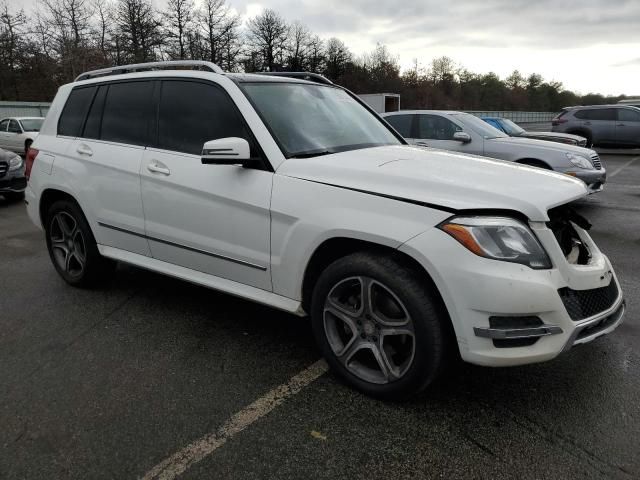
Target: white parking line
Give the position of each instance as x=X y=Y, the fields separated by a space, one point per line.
x=617 y=171
x=180 y=461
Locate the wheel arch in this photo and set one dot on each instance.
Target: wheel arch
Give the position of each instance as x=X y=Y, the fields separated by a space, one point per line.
x=51 y=195
x=534 y=162
x=335 y=248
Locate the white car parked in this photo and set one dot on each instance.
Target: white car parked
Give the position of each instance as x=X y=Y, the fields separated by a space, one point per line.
x=18 y=133
x=294 y=194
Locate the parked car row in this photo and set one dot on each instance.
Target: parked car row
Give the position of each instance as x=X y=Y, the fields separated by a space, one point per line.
x=295 y=194
x=514 y=130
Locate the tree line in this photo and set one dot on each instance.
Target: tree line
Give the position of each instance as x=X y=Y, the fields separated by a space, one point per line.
x=60 y=39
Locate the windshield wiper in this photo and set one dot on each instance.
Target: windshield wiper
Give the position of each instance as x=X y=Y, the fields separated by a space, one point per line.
x=314 y=153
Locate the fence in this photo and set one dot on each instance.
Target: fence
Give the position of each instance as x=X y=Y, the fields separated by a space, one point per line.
x=23 y=109
x=519 y=117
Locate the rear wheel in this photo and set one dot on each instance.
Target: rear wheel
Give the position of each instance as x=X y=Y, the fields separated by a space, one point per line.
x=73 y=248
x=379 y=325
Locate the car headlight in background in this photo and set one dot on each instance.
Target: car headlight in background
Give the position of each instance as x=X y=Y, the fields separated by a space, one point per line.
x=15 y=163
x=579 y=161
x=498 y=238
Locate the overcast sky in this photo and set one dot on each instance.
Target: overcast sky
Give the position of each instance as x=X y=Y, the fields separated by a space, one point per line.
x=588 y=45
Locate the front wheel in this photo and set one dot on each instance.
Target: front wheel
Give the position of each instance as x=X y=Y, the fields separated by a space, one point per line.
x=73 y=248
x=379 y=325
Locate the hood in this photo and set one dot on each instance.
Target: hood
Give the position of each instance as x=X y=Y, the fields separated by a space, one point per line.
x=577 y=138
x=443 y=179
x=543 y=145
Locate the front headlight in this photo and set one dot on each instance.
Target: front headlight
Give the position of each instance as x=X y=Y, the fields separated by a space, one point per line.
x=579 y=161
x=498 y=238
x=15 y=163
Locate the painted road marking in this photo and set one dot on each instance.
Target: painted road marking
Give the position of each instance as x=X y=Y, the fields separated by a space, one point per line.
x=180 y=461
x=615 y=172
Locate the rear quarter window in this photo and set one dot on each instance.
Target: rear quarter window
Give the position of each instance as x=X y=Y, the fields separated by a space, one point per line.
x=75 y=111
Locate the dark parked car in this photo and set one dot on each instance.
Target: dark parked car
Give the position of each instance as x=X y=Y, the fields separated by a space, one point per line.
x=12 y=177
x=514 y=130
x=615 y=125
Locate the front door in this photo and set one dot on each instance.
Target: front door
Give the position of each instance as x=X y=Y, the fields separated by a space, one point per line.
x=211 y=218
x=437 y=131
x=4 y=135
x=14 y=137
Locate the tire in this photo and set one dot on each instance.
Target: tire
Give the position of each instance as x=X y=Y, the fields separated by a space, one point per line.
x=356 y=341
x=72 y=246
x=27 y=145
x=13 y=196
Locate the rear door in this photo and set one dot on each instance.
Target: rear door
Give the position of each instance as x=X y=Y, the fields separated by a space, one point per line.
x=601 y=122
x=628 y=126
x=211 y=218
x=106 y=155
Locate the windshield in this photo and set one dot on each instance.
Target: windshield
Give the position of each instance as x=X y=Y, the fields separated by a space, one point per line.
x=511 y=127
x=31 y=124
x=311 y=120
x=479 y=126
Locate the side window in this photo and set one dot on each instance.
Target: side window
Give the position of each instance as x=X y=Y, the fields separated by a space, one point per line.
x=192 y=113
x=402 y=123
x=3 y=125
x=603 y=114
x=74 y=111
x=627 y=115
x=435 y=127
x=14 y=127
x=583 y=114
x=126 y=112
x=94 y=119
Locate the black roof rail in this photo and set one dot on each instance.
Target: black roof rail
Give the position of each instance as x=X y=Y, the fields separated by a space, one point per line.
x=137 y=67
x=311 y=77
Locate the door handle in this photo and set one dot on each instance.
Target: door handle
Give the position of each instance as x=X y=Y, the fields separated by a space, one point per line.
x=158 y=168
x=421 y=144
x=84 y=150
x=620 y=125
x=587 y=123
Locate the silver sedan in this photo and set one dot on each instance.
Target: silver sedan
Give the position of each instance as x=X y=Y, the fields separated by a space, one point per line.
x=463 y=132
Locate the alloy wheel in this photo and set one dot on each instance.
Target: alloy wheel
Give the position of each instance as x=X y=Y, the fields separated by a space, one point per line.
x=67 y=244
x=369 y=330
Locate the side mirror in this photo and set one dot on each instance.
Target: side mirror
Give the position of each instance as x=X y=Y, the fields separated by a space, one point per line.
x=463 y=137
x=227 y=151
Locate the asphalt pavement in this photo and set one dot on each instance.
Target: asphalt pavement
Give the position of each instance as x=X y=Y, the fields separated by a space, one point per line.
x=110 y=383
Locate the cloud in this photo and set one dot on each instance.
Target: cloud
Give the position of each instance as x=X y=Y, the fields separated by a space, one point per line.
x=635 y=62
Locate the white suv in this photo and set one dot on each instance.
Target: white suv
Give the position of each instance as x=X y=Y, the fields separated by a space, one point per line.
x=295 y=194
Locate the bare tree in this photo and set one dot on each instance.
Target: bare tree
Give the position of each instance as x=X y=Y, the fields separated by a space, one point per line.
x=267 y=37
x=315 y=54
x=103 y=31
x=11 y=26
x=180 y=17
x=138 y=31
x=220 y=31
x=338 y=58
x=297 y=47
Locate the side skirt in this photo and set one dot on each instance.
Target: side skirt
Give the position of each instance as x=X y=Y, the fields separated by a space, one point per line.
x=199 y=278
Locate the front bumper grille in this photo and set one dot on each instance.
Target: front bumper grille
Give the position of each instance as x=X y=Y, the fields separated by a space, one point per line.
x=4 y=166
x=595 y=159
x=581 y=304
